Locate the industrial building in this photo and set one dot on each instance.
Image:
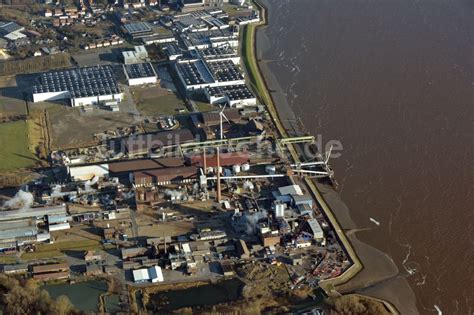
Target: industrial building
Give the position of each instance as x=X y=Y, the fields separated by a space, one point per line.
x=32 y=213
x=220 y=54
x=158 y=39
x=88 y=172
x=227 y=37
x=225 y=72
x=173 y=51
x=140 y=73
x=82 y=86
x=165 y=176
x=198 y=74
x=11 y=31
x=190 y=3
x=124 y=170
x=138 y=55
x=153 y=274
x=20 y=232
x=137 y=30
x=194 y=74
x=233 y=95
x=51 y=272
x=226 y=159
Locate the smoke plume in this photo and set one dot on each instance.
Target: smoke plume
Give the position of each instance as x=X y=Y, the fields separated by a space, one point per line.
x=22 y=199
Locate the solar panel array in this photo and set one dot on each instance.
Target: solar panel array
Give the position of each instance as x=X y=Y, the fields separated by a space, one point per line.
x=194 y=73
x=140 y=27
x=140 y=70
x=225 y=71
x=233 y=92
x=10 y=27
x=218 y=51
x=82 y=82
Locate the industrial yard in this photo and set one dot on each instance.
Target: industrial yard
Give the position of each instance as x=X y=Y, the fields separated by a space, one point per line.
x=168 y=173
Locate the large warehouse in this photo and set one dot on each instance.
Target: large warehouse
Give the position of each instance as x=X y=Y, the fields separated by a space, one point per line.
x=82 y=86
x=198 y=74
x=140 y=73
x=233 y=95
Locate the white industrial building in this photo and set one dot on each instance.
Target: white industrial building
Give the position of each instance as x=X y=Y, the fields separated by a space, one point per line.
x=138 y=55
x=140 y=73
x=153 y=274
x=228 y=37
x=82 y=86
x=316 y=229
x=220 y=54
x=87 y=172
x=233 y=95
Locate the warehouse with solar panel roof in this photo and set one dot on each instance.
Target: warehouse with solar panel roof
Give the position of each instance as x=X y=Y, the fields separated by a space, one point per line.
x=81 y=86
x=140 y=73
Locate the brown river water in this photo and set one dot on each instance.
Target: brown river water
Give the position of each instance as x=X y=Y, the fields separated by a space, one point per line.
x=393 y=81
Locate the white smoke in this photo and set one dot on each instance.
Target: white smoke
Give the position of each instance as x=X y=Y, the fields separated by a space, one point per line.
x=195 y=188
x=56 y=191
x=173 y=194
x=88 y=184
x=22 y=199
x=248 y=185
x=251 y=220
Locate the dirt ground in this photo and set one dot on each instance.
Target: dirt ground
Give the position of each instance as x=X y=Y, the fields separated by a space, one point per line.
x=148 y=225
x=156 y=101
x=72 y=128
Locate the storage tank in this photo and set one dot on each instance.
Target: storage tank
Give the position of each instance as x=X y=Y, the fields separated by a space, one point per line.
x=236 y=169
x=279 y=210
x=270 y=169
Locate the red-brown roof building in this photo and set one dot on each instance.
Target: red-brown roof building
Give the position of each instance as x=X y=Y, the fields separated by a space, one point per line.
x=226 y=159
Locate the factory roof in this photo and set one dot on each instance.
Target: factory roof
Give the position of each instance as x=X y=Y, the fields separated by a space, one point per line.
x=51 y=275
x=218 y=52
x=140 y=275
x=206 y=37
x=139 y=27
x=233 y=92
x=164 y=175
x=226 y=159
x=224 y=71
x=80 y=82
x=315 y=227
x=139 y=70
x=144 y=164
x=155 y=274
x=9 y=27
x=14 y=268
x=195 y=72
x=132 y=252
x=18 y=232
x=290 y=190
x=32 y=213
x=172 y=49
x=50 y=268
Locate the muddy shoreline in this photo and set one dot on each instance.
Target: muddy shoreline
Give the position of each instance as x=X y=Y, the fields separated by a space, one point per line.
x=380 y=276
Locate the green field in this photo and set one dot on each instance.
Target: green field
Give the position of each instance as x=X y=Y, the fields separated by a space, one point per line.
x=14 y=152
